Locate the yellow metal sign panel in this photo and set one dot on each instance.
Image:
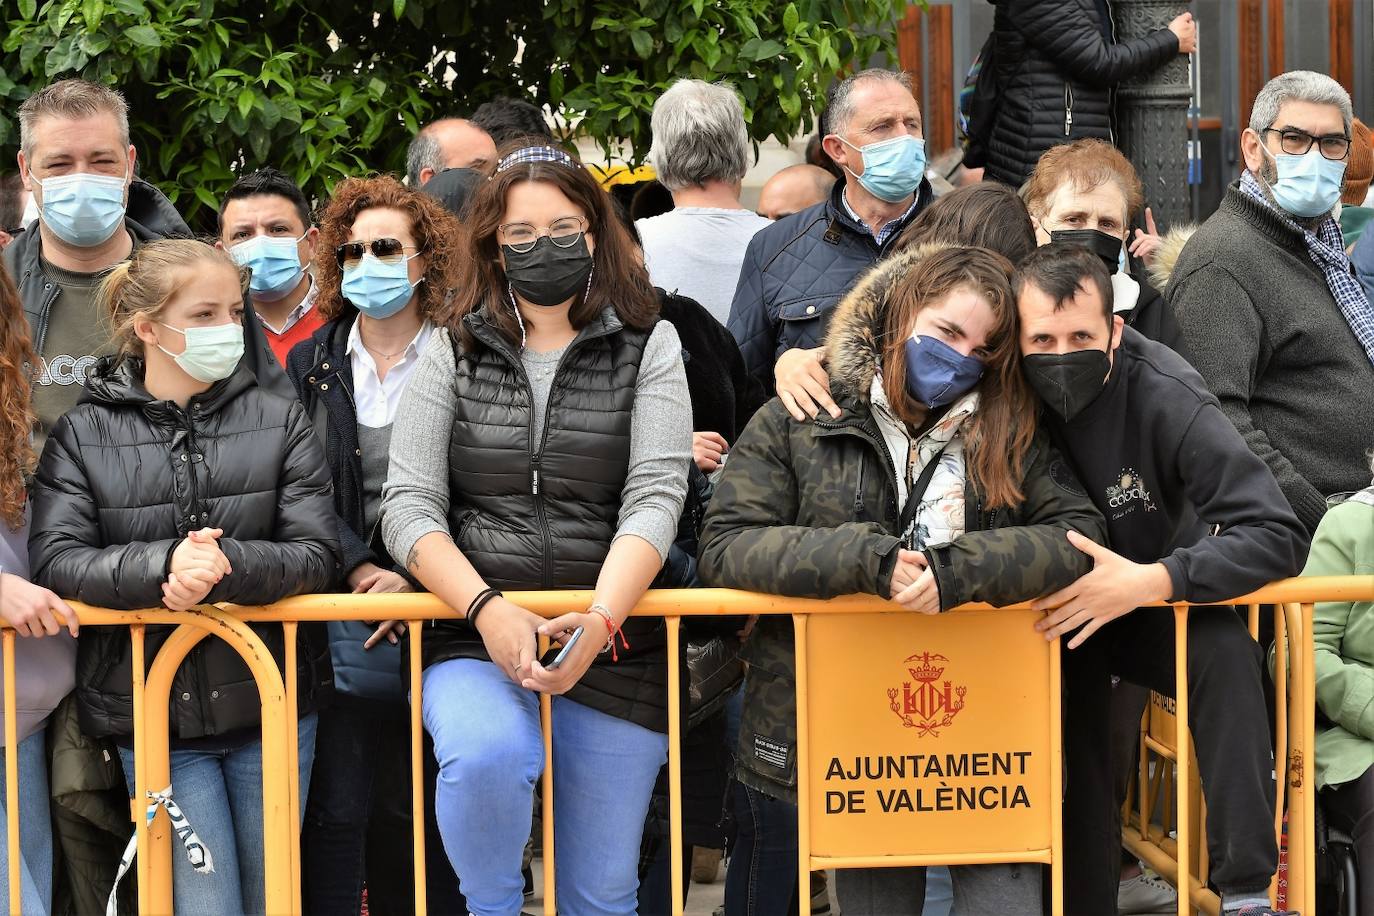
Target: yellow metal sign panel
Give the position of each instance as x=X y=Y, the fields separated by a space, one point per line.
x=929 y=735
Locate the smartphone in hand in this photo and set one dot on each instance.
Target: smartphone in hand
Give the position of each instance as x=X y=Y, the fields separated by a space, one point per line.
x=567 y=647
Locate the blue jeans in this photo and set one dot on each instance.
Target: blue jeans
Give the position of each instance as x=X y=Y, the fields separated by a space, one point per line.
x=762 y=877
x=220 y=792
x=490 y=752
x=35 y=829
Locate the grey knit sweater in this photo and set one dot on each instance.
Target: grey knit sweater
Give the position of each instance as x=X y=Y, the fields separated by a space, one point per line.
x=1272 y=344
x=417 y=489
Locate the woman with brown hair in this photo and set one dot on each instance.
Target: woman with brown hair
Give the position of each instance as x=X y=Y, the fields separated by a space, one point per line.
x=387 y=259
x=44 y=668
x=931 y=488
x=547 y=436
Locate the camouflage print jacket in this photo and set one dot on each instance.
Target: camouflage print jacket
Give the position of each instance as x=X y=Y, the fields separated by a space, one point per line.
x=809 y=510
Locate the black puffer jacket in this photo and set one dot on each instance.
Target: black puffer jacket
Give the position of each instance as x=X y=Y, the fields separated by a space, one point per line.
x=1056 y=69
x=794 y=274
x=125 y=477
x=542 y=515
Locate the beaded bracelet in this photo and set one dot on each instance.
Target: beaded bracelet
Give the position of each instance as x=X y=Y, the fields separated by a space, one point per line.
x=479 y=601
x=613 y=629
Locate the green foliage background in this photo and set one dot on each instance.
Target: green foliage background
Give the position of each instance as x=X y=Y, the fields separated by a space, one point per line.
x=323 y=89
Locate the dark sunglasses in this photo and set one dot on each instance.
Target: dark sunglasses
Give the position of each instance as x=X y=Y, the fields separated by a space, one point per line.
x=388 y=251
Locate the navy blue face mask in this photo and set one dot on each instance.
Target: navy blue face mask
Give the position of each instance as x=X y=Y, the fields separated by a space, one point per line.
x=936 y=373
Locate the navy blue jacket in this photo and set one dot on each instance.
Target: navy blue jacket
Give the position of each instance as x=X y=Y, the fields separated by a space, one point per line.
x=322 y=374
x=793 y=276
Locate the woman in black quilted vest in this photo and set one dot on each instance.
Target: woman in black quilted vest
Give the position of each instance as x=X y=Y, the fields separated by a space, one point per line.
x=543 y=443
x=178 y=481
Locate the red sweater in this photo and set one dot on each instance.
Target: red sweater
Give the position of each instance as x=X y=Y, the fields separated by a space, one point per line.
x=281 y=344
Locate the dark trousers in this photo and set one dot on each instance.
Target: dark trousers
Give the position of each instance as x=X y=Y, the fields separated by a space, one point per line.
x=358 y=817
x=1227 y=711
x=762 y=877
x=1350 y=806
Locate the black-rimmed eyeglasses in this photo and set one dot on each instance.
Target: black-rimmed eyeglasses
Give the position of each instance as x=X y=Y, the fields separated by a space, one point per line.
x=1296 y=142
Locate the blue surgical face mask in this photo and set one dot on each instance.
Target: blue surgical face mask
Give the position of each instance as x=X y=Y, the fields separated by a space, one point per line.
x=893 y=169
x=936 y=373
x=275 y=263
x=377 y=289
x=1308 y=185
x=211 y=353
x=83 y=210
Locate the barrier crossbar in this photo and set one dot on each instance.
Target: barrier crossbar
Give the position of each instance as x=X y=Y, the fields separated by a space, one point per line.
x=281 y=801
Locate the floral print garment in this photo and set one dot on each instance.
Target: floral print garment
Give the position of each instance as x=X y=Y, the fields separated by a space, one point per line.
x=940 y=516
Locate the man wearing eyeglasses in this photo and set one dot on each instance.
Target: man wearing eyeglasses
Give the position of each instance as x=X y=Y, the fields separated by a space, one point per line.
x=1275 y=321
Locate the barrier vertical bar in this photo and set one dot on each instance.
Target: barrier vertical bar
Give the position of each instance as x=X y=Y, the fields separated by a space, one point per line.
x=1183 y=763
x=140 y=772
x=1282 y=673
x=550 y=867
x=12 y=777
x=1302 y=828
x=803 y=755
x=417 y=767
x=1056 y=783
x=675 y=761
x=293 y=756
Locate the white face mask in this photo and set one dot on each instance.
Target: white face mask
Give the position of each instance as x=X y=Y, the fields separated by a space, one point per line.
x=211 y=354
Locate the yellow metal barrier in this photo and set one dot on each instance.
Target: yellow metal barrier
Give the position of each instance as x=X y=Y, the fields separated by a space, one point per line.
x=281 y=791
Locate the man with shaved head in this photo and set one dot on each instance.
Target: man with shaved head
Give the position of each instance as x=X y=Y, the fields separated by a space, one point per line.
x=794 y=189
x=450 y=143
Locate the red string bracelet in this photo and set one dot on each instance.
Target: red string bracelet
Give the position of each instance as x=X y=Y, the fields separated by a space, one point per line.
x=612 y=628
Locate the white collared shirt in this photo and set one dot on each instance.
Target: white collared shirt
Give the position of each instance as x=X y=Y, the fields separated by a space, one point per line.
x=377 y=398
x=300 y=311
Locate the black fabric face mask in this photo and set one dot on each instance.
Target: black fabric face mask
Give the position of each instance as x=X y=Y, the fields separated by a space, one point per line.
x=1107 y=247
x=1067 y=382
x=546 y=274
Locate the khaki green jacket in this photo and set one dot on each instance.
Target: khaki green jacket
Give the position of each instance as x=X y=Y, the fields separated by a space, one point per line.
x=809 y=510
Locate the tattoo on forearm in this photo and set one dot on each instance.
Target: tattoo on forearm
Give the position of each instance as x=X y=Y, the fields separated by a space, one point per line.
x=413 y=558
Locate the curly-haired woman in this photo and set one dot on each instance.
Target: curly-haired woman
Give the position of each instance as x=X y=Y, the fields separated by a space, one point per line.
x=387 y=256
x=44 y=668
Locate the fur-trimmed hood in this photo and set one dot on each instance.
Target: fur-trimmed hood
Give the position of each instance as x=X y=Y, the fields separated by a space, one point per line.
x=853 y=346
x=1162 y=267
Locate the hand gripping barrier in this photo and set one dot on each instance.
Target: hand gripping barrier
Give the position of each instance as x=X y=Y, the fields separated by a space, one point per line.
x=864 y=787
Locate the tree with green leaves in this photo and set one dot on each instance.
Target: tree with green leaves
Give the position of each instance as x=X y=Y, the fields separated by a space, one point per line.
x=323 y=89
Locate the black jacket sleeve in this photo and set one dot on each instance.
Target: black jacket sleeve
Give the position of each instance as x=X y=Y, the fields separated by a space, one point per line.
x=1260 y=539
x=1066 y=33
x=303 y=555
x=1033 y=557
x=353 y=550
x=65 y=533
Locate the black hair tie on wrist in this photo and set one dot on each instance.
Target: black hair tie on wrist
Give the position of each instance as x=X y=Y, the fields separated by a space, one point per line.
x=479 y=601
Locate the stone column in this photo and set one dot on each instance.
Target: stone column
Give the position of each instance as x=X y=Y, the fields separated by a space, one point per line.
x=1152 y=114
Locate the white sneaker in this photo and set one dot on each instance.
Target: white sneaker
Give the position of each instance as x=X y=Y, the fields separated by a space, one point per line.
x=1146 y=893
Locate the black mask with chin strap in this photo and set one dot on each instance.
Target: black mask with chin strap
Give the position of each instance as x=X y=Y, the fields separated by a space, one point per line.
x=547 y=274
x=1107 y=247
x=1067 y=382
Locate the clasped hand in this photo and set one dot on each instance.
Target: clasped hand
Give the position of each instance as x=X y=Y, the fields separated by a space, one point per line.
x=198 y=565
x=913 y=583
